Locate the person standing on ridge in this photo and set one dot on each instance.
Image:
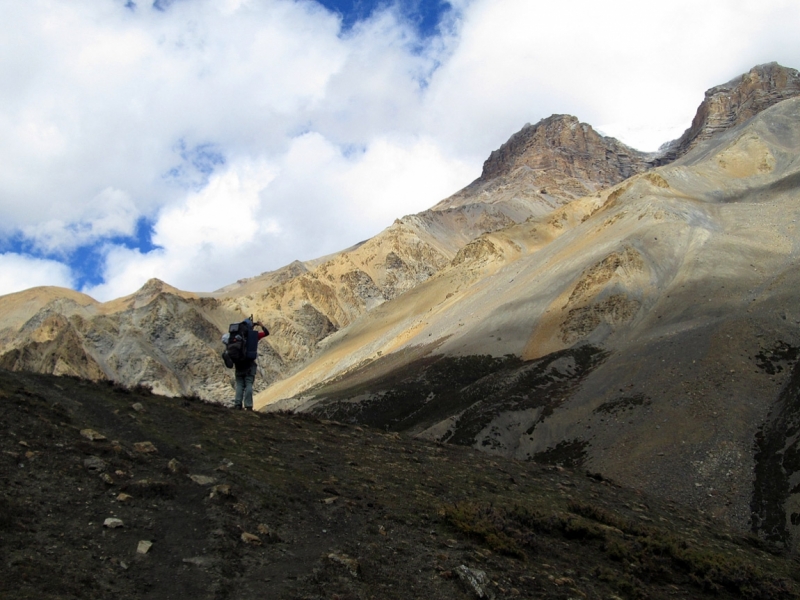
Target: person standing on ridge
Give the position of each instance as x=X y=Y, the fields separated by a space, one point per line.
x=247 y=368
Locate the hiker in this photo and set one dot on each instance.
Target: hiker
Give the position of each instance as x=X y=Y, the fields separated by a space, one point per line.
x=246 y=367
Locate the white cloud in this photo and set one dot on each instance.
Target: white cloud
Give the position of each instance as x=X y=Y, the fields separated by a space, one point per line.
x=396 y=177
x=18 y=272
x=205 y=239
x=623 y=66
x=111 y=213
x=263 y=113
x=253 y=214
x=222 y=214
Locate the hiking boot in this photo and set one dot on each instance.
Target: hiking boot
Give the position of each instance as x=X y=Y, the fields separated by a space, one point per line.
x=248 y=408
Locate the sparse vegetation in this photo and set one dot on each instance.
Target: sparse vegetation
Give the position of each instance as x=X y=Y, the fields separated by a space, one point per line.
x=329 y=509
x=477 y=388
x=627 y=554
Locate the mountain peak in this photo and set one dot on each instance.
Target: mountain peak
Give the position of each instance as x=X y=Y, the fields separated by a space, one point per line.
x=552 y=162
x=734 y=102
x=563 y=142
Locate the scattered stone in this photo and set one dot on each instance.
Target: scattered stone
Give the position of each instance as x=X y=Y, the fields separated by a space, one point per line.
x=351 y=564
x=475 y=581
x=25 y=444
x=113 y=523
x=95 y=463
x=92 y=435
x=249 y=538
x=107 y=479
x=145 y=447
x=221 y=490
x=123 y=497
x=123 y=565
x=330 y=500
x=202 y=479
x=144 y=546
x=175 y=466
x=138 y=406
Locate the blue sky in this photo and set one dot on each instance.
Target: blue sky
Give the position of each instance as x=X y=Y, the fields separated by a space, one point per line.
x=423 y=14
x=203 y=141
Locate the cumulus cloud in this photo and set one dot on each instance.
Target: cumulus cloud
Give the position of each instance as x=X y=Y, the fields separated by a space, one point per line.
x=18 y=272
x=635 y=69
x=111 y=213
x=259 y=213
x=251 y=133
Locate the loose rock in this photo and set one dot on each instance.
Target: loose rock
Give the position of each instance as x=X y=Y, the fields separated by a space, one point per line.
x=475 y=581
x=138 y=406
x=145 y=447
x=144 y=546
x=249 y=538
x=221 y=490
x=175 y=466
x=113 y=523
x=95 y=463
x=92 y=435
x=202 y=479
x=351 y=564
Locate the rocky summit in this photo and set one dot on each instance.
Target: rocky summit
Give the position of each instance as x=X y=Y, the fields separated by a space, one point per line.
x=733 y=103
x=580 y=304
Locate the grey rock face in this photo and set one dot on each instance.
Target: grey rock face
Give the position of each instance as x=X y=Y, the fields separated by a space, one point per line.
x=733 y=103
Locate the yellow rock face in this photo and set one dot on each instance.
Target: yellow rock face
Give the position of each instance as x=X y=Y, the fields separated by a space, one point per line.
x=746 y=157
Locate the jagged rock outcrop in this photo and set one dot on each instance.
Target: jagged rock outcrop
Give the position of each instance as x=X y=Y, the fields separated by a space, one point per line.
x=564 y=145
x=158 y=337
x=552 y=162
x=735 y=102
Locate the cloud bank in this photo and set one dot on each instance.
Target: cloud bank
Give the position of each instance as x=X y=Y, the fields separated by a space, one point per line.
x=204 y=141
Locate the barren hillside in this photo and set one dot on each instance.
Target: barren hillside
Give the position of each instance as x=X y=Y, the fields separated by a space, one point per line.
x=577 y=304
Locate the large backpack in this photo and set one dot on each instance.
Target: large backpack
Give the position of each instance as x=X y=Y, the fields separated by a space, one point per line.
x=242 y=342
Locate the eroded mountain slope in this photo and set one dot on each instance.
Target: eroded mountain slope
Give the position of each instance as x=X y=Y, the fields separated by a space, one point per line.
x=616 y=320
x=656 y=332
x=169 y=339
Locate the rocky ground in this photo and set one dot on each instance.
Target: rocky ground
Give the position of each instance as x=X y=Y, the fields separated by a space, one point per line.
x=108 y=492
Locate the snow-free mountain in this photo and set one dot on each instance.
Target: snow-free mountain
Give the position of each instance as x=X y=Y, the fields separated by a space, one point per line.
x=580 y=303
